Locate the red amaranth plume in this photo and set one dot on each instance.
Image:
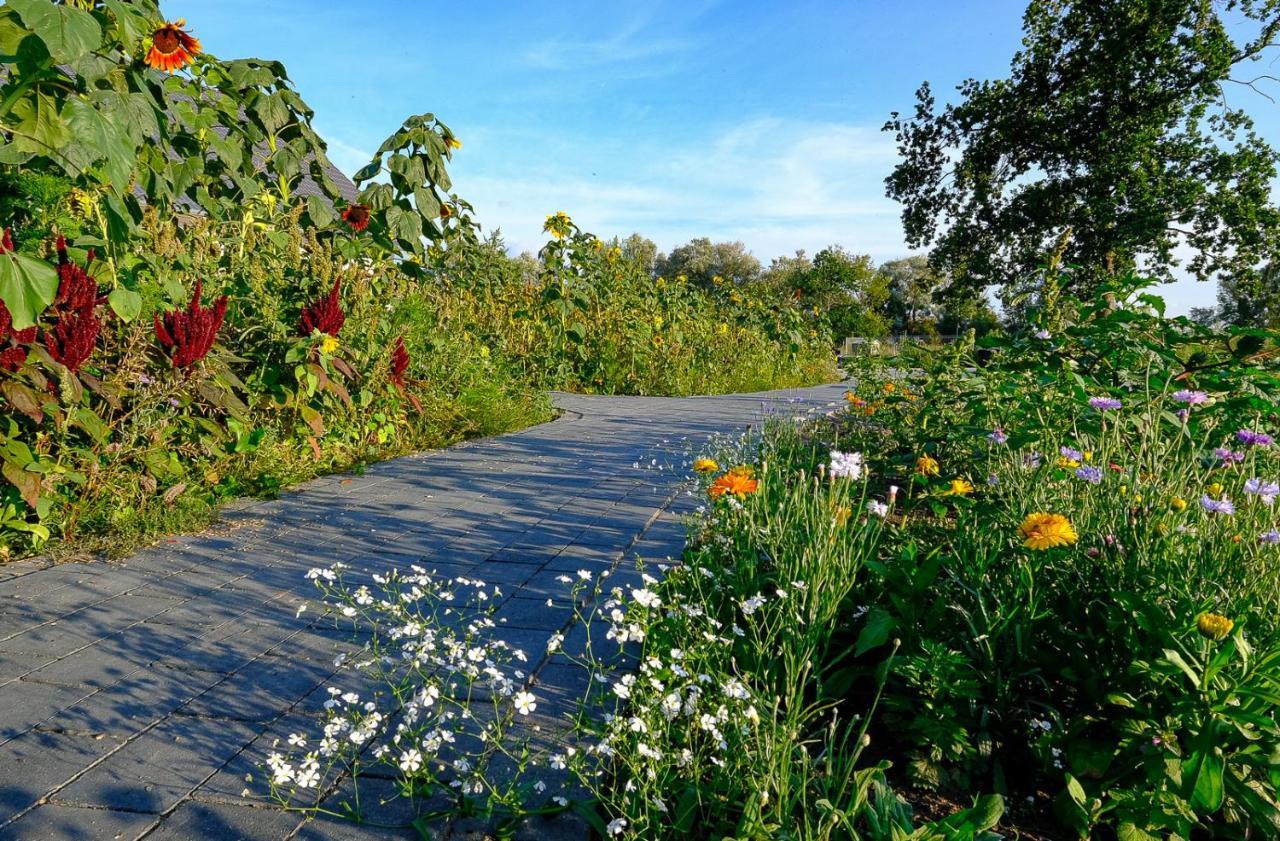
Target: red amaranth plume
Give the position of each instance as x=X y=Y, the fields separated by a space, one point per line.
x=190 y=334
x=399 y=363
x=12 y=350
x=74 y=334
x=324 y=314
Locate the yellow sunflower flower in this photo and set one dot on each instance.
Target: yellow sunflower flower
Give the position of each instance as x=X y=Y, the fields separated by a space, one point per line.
x=705 y=465
x=1213 y=626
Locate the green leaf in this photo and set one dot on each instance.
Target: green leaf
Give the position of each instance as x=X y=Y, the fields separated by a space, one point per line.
x=27 y=286
x=99 y=139
x=1202 y=773
x=875 y=632
x=320 y=211
x=125 y=303
x=41 y=129
x=27 y=483
x=1130 y=832
x=67 y=32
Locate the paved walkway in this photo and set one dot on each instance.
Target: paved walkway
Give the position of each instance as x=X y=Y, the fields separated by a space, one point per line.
x=131 y=694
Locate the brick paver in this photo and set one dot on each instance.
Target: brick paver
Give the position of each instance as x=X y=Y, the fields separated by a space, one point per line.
x=131 y=694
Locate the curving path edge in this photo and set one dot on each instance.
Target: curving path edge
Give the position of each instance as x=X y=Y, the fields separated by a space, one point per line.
x=132 y=694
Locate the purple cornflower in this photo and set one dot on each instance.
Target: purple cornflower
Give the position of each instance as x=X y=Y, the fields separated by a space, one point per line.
x=1272 y=537
x=997 y=436
x=1228 y=456
x=1217 y=506
x=1253 y=439
x=1265 y=491
x=1183 y=414
x=1090 y=474
x=1073 y=454
x=1191 y=398
x=1104 y=404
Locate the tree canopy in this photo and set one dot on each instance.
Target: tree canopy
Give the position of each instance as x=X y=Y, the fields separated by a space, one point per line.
x=1119 y=135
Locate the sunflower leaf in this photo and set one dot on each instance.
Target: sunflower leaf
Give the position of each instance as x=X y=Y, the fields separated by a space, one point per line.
x=67 y=32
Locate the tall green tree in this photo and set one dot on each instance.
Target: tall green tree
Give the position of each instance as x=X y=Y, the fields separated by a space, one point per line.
x=701 y=261
x=1119 y=132
x=1252 y=301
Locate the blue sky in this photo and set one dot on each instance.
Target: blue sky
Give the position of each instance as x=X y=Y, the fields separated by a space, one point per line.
x=755 y=121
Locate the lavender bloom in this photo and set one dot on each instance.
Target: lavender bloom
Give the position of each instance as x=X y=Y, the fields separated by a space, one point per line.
x=1217 y=506
x=1191 y=398
x=1183 y=414
x=997 y=436
x=1228 y=456
x=1073 y=454
x=1103 y=404
x=1272 y=537
x=1253 y=439
x=1090 y=474
x=1265 y=491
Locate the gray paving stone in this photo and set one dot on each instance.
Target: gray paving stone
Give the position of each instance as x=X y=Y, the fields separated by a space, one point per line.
x=196 y=652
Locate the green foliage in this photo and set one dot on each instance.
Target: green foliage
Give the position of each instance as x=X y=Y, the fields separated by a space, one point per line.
x=1112 y=137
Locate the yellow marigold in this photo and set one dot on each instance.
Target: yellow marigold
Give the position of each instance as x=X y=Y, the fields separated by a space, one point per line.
x=1178 y=504
x=705 y=465
x=734 y=484
x=328 y=344
x=927 y=465
x=1046 y=531
x=1213 y=626
x=958 y=487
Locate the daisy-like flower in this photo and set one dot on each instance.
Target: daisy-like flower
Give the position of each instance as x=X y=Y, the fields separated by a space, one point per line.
x=751 y=605
x=878 y=508
x=705 y=465
x=1271 y=537
x=410 y=761
x=927 y=465
x=1265 y=491
x=172 y=47
x=356 y=216
x=845 y=465
x=1191 y=398
x=1105 y=404
x=997 y=436
x=559 y=225
x=1178 y=504
x=525 y=703
x=1214 y=626
x=734 y=484
x=1228 y=456
x=1042 y=530
x=958 y=487
x=1222 y=506
x=1090 y=474
x=1253 y=439
x=616 y=826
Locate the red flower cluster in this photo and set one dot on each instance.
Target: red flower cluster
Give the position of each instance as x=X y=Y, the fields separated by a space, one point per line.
x=399 y=363
x=324 y=314
x=190 y=334
x=76 y=327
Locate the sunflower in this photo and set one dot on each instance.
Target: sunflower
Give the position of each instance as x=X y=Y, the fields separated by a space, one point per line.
x=445 y=211
x=733 y=483
x=705 y=465
x=1046 y=531
x=356 y=216
x=559 y=225
x=451 y=142
x=1213 y=626
x=172 y=47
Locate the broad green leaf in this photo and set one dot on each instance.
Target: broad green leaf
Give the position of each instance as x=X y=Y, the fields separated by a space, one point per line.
x=1203 y=773
x=320 y=211
x=875 y=632
x=27 y=286
x=125 y=303
x=27 y=483
x=67 y=32
x=97 y=138
x=41 y=128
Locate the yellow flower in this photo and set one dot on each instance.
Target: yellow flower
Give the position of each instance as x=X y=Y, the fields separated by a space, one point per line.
x=842 y=515
x=722 y=329
x=705 y=465
x=1178 y=504
x=744 y=470
x=927 y=466
x=658 y=321
x=558 y=225
x=329 y=344
x=1213 y=626
x=889 y=388
x=958 y=487
x=1063 y=461
x=1088 y=455
x=1046 y=531
x=1215 y=489
x=452 y=142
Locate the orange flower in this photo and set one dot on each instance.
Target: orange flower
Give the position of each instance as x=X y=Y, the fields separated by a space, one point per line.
x=733 y=483
x=172 y=47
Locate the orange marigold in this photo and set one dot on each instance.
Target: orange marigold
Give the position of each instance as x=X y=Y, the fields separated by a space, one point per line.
x=733 y=483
